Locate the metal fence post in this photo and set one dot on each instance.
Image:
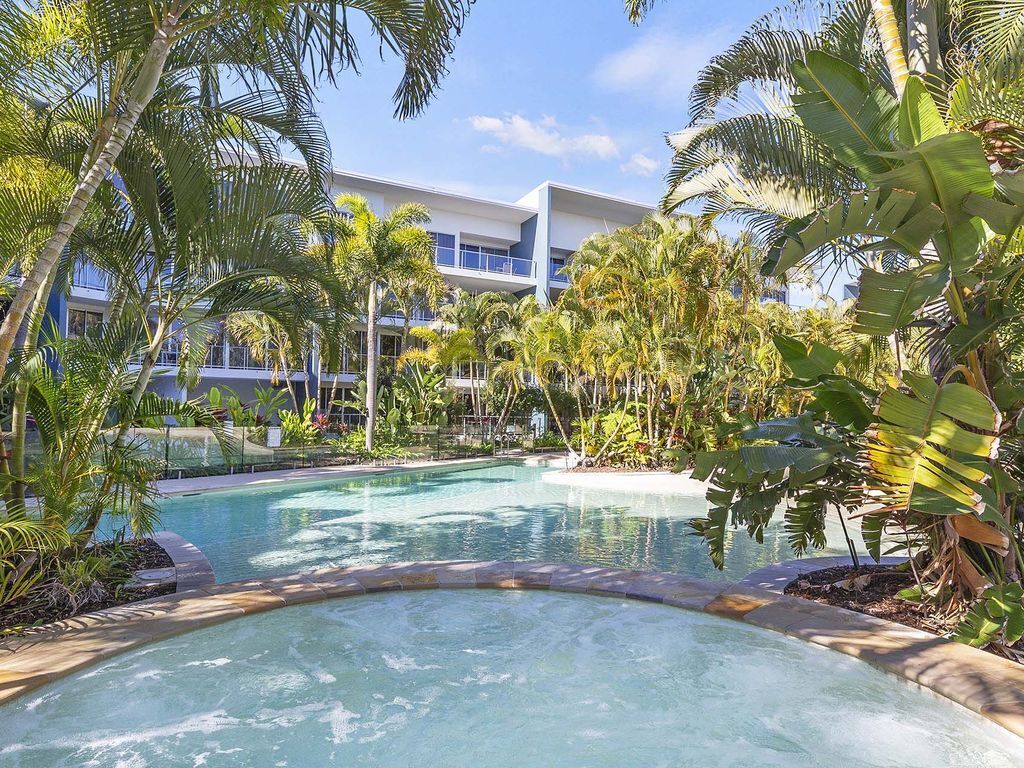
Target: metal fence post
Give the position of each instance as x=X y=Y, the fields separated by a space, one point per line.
x=241 y=455
x=167 y=451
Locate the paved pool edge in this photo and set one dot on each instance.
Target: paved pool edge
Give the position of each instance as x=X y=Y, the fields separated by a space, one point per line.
x=988 y=685
x=194 y=486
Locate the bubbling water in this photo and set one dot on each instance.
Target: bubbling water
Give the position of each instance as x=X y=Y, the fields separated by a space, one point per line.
x=471 y=678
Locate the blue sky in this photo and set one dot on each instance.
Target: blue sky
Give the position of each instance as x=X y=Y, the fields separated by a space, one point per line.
x=566 y=90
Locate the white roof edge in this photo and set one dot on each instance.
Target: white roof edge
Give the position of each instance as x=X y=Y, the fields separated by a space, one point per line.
x=431 y=190
x=518 y=206
x=602 y=195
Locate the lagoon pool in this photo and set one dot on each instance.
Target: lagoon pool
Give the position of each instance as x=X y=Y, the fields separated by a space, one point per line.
x=498 y=679
x=492 y=512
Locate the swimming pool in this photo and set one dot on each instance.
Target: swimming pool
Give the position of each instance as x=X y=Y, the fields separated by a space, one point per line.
x=492 y=512
x=500 y=679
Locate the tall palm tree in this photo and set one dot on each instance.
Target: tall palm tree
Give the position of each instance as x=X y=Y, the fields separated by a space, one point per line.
x=746 y=152
x=108 y=61
x=382 y=251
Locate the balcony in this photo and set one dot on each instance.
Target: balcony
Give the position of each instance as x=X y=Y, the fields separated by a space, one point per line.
x=87 y=275
x=421 y=314
x=494 y=261
x=555 y=274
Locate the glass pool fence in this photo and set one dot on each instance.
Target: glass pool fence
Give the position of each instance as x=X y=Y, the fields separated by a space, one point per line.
x=194 y=451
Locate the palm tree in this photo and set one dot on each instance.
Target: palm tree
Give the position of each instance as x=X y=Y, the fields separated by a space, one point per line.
x=231 y=243
x=746 y=152
x=135 y=49
x=477 y=317
x=382 y=251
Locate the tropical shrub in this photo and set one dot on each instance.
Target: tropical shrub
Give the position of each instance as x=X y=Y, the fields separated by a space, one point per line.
x=298 y=428
x=930 y=458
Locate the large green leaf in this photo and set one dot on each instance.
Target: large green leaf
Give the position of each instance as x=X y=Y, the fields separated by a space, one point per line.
x=854 y=117
x=919 y=117
x=924 y=446
x=806 y=361
x=844 y=401
x=893 y=218
x=943 y=171
x=1005 y=214
x=890 y=300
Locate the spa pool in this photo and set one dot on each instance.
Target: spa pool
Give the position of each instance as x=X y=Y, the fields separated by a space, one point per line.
x=481 y=678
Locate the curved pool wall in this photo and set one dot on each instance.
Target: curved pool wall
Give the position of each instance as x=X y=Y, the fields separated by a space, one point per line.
x=494 y=511
x=490 y=678
x=981 y=682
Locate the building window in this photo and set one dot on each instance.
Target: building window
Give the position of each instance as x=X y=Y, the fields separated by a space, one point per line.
x=390 y=346
x=83 y=321
x=355 y=359
x=215 y=355
x=444 y=249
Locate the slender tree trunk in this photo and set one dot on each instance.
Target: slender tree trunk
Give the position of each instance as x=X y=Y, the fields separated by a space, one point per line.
x=286 y=372
x=510 y=399
x=618 y=427
x=138 y=97
x=892 y=45
x=583 y=429
x=558 y=421
x=334 y=393
x=923 y=54
x=676 y=415
x=148 y=365
x=371 y=364
x=19 y=408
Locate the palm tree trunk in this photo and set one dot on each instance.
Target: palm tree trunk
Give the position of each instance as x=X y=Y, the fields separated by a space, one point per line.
x=558 y=421
x=371 y=364
x=583 y=430
x=19 y=408
x=892 y=46
x=923 y=55
x=510 y=399
x=334 y=393
x=148 y=365
x=286 y=372
x=139 y=96
x=618 y=427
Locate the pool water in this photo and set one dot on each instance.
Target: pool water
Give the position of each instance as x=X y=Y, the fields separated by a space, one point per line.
x=494 y=512
x=468 y=678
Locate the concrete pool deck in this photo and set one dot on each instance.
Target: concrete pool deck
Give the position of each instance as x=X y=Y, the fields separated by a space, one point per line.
x=661 y=483
x=988 y=685
x=188 y=486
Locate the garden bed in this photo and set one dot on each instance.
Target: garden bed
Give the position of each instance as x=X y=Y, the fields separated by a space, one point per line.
x=875 y=596
x=52 y=601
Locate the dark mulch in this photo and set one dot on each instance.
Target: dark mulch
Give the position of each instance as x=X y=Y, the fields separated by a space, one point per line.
x=38 y=609
x=877 y=597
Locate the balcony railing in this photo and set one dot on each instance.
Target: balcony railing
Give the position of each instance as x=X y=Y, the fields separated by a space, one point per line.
x=87 y=275
x=492 y=263
x=423 y=314
x=555 y=274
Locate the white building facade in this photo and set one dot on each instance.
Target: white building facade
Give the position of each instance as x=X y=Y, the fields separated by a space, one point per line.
x=480 y=245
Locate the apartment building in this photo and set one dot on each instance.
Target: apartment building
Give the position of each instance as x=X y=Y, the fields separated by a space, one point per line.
x=480 y=245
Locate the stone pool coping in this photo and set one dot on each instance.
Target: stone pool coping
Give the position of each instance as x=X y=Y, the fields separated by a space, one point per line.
x=192 y=570
x=988 y=685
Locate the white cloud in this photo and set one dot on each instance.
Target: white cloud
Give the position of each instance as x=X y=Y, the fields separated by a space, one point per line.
x=639 y=165
x=659 y=66
x=544 y=136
